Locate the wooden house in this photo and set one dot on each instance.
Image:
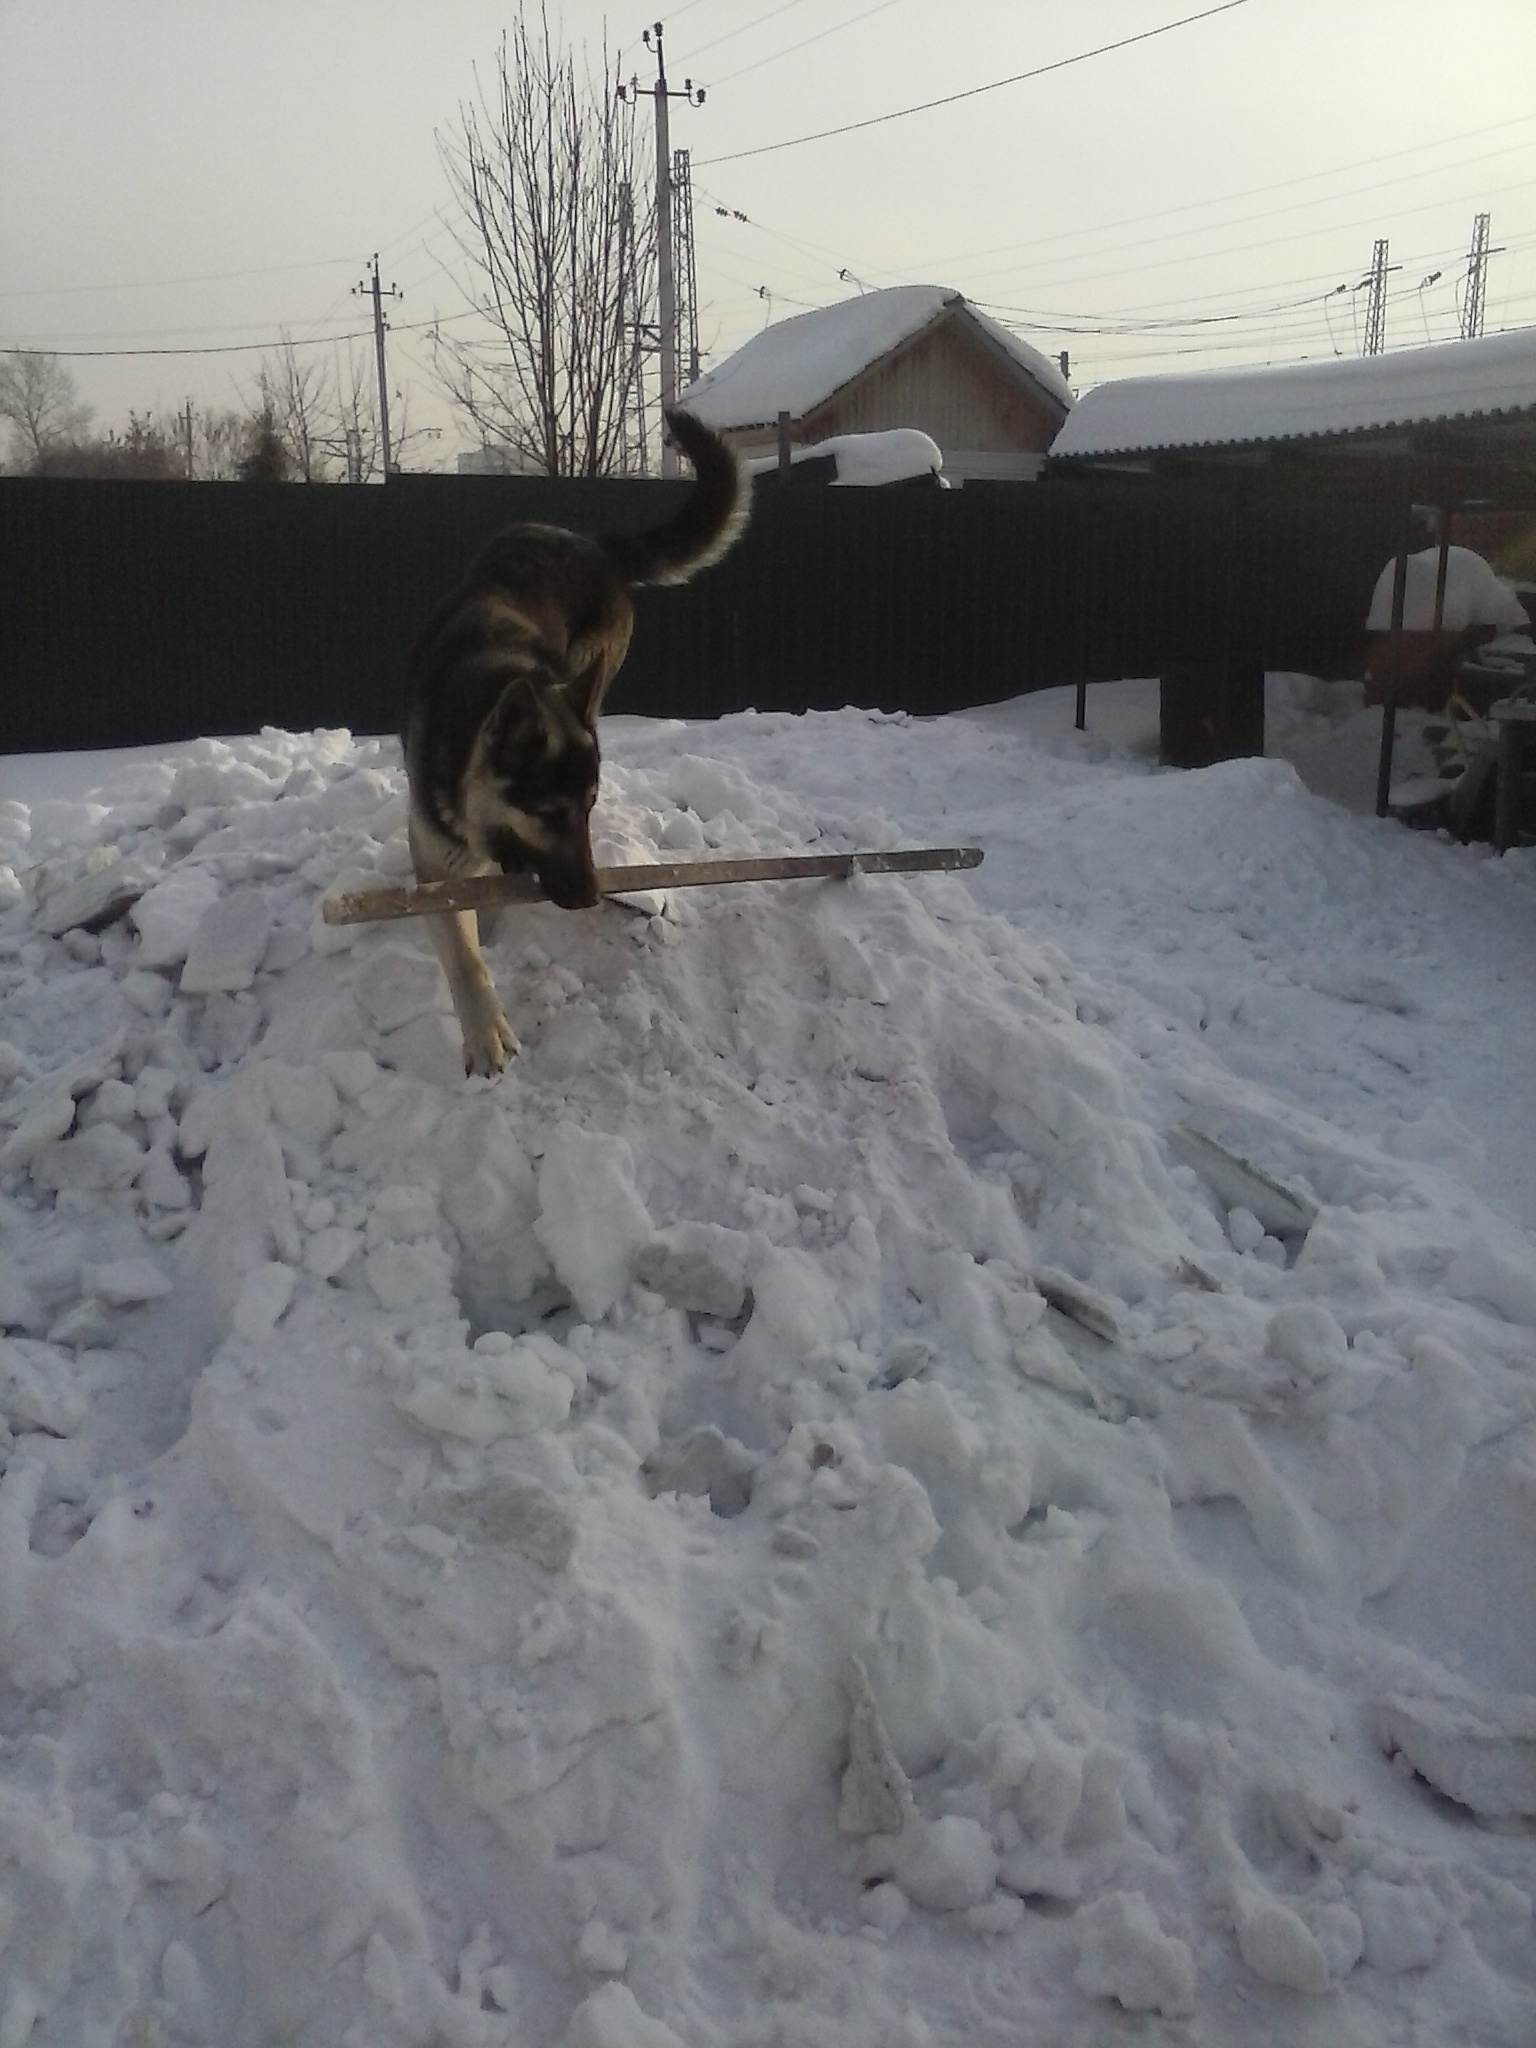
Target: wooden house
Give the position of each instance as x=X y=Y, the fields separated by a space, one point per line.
x=913 y=356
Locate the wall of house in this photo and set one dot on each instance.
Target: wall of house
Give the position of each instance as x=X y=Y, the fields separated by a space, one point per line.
x=952 y=384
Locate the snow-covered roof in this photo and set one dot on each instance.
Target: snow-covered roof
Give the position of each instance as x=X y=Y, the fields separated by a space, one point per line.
x=1453 y=380
x=797 y=364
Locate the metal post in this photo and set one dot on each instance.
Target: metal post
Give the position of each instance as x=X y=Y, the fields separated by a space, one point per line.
x=1394 y=653
x=1442 y=567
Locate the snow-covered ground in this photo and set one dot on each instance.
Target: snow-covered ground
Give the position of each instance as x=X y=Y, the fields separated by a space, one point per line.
x=943 y=1460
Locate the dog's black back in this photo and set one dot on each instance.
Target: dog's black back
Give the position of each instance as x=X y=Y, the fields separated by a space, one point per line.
x=507 y=678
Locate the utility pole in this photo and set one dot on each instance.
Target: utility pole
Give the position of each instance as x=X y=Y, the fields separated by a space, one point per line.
x=1477 y=280
x=665 y=254
x=186 y=423
x=379 y=296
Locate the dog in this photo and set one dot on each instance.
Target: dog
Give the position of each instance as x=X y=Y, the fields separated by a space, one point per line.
x=504 y=687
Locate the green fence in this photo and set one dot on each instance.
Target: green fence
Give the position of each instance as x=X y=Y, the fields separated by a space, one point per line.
x=140 y=612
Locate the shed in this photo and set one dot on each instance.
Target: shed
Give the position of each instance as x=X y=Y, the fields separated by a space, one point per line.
x=1446 y=429
x=915 y=355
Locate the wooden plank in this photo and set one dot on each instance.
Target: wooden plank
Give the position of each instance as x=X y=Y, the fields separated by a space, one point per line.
x=486 y=892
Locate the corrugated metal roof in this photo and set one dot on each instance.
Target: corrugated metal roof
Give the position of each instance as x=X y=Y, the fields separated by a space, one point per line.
x=797 y=364
x=1453 y=380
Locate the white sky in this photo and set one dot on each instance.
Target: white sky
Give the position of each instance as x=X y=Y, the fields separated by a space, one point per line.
x=189 y=174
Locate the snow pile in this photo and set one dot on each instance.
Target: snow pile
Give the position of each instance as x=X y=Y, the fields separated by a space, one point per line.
x=1474 y=595
x=892 y=457
x=799 y=1514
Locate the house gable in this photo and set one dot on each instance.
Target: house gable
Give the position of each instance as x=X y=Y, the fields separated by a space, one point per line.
x=952 y=382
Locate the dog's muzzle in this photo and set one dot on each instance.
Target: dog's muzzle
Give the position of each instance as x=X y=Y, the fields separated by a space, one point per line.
x=571 y=888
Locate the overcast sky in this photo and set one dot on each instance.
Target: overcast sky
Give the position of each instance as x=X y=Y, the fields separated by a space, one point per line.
x=196 y=175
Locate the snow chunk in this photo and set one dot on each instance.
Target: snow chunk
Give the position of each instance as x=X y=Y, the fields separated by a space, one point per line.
x=304 y=1101
x=92 y=896
x=1277 y=1945
x=1126 y=1956
x=227 y=946
x=98 y=1158
x=1480 y=1273
x=395 y=985
x=698 y=1266
x=263 y=1300
x=38 y=1388
x=946 y=1864
x=591 y=1221
x=47 y=1120
x=704 y=1461
x=123 y=1283
x=614 y=2018
x=1402 y=1922
x=1481 y=1752
x=167 y=916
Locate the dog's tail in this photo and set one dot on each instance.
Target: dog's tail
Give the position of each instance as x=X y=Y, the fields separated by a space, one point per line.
x=703 y=528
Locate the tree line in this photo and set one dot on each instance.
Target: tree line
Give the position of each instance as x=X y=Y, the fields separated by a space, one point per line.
x=304 y=420
x=544 y=360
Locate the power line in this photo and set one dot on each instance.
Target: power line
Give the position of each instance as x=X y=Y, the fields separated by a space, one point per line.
x=730 y=34
x=1277 y=185
x=235 y=348
x=777 y=56
x=158 y=284
x=975 y=91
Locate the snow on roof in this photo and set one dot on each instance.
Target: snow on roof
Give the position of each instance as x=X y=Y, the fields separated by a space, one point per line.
x=797 y=364
x=893 y=456
x=1305 y=401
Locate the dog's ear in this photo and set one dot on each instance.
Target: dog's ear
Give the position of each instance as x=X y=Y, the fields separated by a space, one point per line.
x=587 y=685
x=519 y=720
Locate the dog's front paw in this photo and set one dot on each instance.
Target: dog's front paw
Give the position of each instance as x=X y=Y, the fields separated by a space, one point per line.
x=489 y=1040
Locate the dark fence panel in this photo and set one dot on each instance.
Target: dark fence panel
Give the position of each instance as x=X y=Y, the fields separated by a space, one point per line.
x=138 y=612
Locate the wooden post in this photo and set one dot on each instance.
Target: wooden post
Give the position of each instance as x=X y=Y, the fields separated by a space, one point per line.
x=785 y=464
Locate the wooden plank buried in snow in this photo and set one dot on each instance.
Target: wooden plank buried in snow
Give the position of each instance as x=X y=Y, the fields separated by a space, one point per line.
x=1283 y=1211
x=486 y=892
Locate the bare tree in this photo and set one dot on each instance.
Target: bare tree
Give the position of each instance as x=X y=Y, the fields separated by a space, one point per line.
x=298 y=399
x=561 y=251
x=326 y=415
x=40 y=398
x=218 y=444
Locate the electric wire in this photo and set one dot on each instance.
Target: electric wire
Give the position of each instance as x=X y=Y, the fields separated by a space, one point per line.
x=975 y=91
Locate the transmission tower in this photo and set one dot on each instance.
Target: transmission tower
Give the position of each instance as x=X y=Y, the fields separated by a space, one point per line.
x=1376 y=305
x=684 y=268
x=1477 y=280
x=634 y=441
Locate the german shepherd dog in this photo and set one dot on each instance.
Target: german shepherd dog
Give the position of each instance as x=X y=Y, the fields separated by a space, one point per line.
x=504 y=688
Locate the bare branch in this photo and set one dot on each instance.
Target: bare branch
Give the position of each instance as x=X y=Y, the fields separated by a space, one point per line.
x=544 y=168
